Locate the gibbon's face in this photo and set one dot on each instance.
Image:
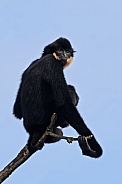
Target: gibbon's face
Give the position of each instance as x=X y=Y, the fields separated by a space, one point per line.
x=64 y=56
x=63 y=52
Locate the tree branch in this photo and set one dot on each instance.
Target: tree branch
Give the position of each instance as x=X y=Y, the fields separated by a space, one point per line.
x=25 y=154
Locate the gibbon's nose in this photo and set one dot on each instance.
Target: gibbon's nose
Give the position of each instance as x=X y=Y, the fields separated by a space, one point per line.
x=65 y=54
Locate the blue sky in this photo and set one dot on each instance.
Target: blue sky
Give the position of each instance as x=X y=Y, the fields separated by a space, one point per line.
x=94 y=28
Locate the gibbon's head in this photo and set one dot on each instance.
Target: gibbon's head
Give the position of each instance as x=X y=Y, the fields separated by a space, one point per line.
x=61 y=50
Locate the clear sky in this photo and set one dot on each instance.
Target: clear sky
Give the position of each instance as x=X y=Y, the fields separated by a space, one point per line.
x=94 y=28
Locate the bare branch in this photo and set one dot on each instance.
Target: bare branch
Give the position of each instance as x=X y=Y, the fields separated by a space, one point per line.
x=25 y=154
x=68 y=139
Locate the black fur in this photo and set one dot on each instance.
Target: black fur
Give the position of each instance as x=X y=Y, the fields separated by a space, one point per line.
x=43 y=91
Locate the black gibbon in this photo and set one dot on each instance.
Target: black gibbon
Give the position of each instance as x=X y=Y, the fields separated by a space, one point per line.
x=43 y=91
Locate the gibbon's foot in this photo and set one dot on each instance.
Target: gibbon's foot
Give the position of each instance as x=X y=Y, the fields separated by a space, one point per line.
x=51 y=139
x=32 y=141
x=90 y=146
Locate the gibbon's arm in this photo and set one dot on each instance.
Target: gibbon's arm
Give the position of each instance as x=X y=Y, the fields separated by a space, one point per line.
x=68 y=111
x=55 y=77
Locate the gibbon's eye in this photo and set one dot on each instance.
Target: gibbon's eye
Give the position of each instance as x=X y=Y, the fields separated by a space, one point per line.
x=67 y=51
x=61 y=49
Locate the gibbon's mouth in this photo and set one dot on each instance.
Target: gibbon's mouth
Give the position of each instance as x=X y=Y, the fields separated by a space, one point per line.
x=65 y=59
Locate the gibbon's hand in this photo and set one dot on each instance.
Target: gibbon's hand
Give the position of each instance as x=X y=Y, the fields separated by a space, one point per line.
x=90 y=146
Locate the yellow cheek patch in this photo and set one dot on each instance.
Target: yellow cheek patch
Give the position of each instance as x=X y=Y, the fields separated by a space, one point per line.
x=54 y=54
x=69 y=60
